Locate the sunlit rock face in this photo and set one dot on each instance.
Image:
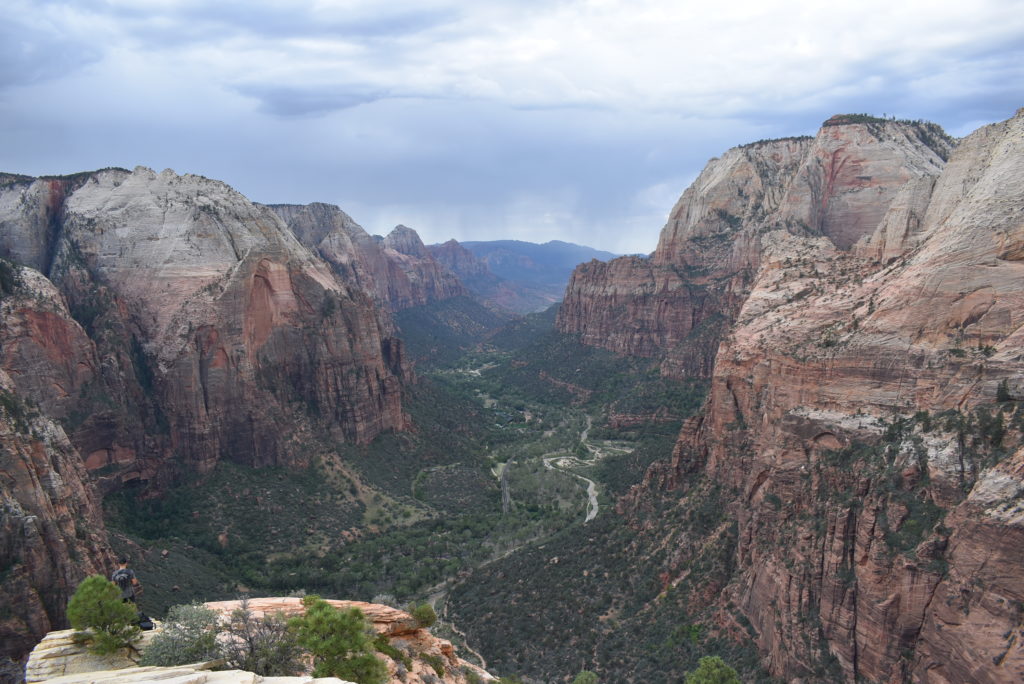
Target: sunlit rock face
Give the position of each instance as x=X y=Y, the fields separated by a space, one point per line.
x=904 y=561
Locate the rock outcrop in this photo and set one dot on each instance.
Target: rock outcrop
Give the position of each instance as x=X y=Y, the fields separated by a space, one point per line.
x=864 y=407
x=401 y=631
x=57 y=658
x=676 y=304
x=398 y=269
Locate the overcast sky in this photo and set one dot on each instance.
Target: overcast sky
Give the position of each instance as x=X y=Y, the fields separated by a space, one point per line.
x=536 y=120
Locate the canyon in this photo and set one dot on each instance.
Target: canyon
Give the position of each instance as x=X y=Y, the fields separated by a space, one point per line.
x=853 y=300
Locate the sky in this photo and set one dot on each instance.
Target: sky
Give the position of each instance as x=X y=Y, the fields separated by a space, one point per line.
x=575 y=120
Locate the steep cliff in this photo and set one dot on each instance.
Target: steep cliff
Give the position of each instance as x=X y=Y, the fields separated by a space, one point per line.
x=496 y=292
x=161 y=323
x=51 y=528
x=398 y=270
x=214 y=332
x=676 y=304
x=865 y=413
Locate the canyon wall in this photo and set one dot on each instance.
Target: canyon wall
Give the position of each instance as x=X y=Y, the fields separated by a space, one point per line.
x=865 y=415
x=675 y=304
x=157 y=324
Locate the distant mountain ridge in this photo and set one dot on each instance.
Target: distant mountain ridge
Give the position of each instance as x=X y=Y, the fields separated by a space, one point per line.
x=520 y=276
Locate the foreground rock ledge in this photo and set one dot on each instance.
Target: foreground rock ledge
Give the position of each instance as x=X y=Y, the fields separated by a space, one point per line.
x=57 y=658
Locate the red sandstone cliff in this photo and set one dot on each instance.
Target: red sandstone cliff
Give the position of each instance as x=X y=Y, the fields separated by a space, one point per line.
x=676 y=303
x=177 y=324
x=214 y=332
x=865 y=409
x=51 y=528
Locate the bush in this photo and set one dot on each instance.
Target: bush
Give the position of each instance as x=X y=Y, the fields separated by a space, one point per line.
x=713 y=670
x=423 y=614
x=96 y=609
x=189 y=635
x=435 y=661
x=266 y=646
x=339 y=641
x=585 y=677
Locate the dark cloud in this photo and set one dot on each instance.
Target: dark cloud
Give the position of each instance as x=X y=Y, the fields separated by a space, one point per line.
x=288 y=101
x=487 y=119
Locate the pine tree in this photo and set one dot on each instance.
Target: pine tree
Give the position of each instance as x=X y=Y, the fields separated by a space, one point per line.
x=97 y=611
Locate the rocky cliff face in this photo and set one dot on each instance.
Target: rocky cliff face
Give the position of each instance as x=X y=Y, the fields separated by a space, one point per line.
x=51 y=527
x=865 y=410
x=214 y=332
x=676 y=304
x=398 y=270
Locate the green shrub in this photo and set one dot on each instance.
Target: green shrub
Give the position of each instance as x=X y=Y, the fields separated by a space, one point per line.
x=585 y=677
x=339 y=641
x=713 y=670
x=266 y=646
x=471 y=676
x=423 y=614
x=384 y=646
x=189 y=635
x=10 y=277
x=435 y=661
x=97 y=611
x=1003 y=392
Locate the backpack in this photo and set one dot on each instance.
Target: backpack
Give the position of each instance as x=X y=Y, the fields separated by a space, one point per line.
x=122 y=577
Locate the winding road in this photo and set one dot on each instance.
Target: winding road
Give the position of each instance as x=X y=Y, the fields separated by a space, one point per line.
x=562 y=462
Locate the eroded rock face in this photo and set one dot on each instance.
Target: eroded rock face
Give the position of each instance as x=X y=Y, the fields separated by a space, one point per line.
x=174 y=324
x=51 y=526
x=216 y=334
x=398 y=270
x=896 y=539
x=677 y=303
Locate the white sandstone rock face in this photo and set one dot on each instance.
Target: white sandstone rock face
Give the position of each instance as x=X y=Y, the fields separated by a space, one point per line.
x=160 y=239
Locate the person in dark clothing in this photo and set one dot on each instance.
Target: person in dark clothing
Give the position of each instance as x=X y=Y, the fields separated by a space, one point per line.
x=125 y=579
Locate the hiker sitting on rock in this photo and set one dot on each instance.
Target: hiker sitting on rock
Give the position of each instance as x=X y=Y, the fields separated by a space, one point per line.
x=126 y=581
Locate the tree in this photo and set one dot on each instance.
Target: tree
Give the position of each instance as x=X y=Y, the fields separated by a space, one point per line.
x=339 y=641
x=266 y=646
x=713 y=670
x=97 y=611
x=189 y=635
x=1003 y=392
x=423 y=613
x=585 y=677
